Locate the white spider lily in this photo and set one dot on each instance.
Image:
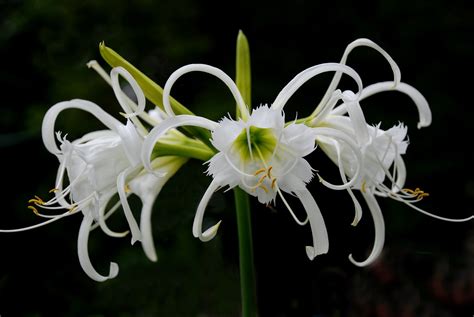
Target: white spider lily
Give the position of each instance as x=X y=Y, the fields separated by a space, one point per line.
x=258 y=153
x=380 y=149
x=97 y=166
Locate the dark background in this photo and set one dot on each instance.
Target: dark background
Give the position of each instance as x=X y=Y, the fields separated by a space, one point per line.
x=427 y=267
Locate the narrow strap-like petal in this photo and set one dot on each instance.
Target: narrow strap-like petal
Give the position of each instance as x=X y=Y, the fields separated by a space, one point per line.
x=339 y=135
x=146 y=229
x=83 y=252
x=357 y=207
x=167 y=124
x=316 y=221
x=357 y=43
x=210 y=233
x=103 y=217
x=47 y=130
x=206 y=69
x=421 y=104
x=379 y=231
x=114 y=76
x=359 y=124
x=288 y=91
x=132 y=223
x=401 y=174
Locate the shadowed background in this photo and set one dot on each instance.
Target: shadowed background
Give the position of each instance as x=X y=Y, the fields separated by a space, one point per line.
x=427 y=267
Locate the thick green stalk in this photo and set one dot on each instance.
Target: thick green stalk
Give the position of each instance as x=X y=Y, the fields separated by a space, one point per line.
x=242 y=205
x=247 y=271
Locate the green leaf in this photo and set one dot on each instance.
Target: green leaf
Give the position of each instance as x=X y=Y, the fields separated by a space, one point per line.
x=152 y=90
x=243 y=78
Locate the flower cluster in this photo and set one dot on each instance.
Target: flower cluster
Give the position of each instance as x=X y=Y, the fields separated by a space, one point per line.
x=257 y=151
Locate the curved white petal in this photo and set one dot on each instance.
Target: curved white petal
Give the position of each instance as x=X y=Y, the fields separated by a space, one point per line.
x=357 y=118
x=47 y=129
x=309 y=73
x=349 y=48
x=401 y=174
x=103 y=217
x=120 y=95
x=316 y=221
x=136 y=235
x=132 y=142
x=84 y=260
x=210 y=233
x=424 y=111
x=206 y=69
x=379 y=227
x=357 y=207
x=167 y=124
x=334 y=133
x=146 y=230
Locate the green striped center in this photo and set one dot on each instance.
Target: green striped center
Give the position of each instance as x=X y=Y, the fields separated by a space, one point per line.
x=262 y=143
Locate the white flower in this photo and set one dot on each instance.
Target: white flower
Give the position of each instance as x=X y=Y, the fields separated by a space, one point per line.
x=381 y=150
x=258 y=153
x=98 y=166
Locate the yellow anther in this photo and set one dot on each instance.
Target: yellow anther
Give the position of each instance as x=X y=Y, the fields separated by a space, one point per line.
x=260 y=181
x=362 y=187
x=127 y=189
x=409 y=191
x=34 y=210
x=53 y=190
x=269 y=172
x=273 y=183
x=265 y=189
x=36 y=201
x=73 y=208
x=417 y=193
x=259 y=171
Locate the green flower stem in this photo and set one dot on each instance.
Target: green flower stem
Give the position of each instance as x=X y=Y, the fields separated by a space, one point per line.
x=187 y=148
x=152 y=90
x=247 y=273
x=242 y=205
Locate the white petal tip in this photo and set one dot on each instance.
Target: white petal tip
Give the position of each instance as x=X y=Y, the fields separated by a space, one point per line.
x=113 y=270
x=355 y=222
x=210 y=233
x=152 y=257
x=91 y=63
x=312 y=253
x=359 y=264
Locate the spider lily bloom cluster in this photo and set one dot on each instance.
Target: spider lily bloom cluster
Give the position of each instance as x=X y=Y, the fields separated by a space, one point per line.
x=264 y=156
x=258 y=151
x=103 y=164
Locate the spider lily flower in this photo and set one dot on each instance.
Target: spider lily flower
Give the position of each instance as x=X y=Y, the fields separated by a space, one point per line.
x=258 y=153
x=98 y=166
x=381 y=150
